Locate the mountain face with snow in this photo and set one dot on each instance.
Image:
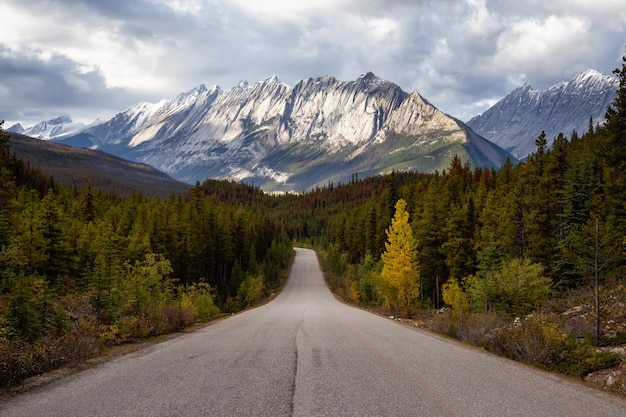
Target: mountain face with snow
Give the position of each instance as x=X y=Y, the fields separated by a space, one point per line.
x=519 y=118
x=59 y=127
x=290 y=138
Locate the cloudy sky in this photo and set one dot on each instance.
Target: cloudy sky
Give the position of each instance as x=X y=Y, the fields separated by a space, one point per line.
x=94 y=58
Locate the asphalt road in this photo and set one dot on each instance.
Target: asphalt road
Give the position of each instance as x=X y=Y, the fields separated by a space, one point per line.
x=306 y=354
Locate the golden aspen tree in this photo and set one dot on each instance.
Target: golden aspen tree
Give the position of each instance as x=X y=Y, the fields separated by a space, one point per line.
x=401 y=273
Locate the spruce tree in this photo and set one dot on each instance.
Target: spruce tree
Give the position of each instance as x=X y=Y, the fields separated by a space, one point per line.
x=614 y=150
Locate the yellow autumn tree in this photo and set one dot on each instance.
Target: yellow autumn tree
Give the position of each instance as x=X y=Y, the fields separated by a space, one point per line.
x=400 y=275
x=455 y=297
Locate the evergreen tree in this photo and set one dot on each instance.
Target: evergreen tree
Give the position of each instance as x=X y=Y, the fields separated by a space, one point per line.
x=56 y=251
x=429 y=229
x=7 y=190
x=87 y=207
x=22 y=314
x=614 y=151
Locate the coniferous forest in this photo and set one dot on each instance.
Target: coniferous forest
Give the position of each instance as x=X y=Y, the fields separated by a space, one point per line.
x=527 y=260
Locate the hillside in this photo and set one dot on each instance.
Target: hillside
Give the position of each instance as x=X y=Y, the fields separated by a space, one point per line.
x=75 y=166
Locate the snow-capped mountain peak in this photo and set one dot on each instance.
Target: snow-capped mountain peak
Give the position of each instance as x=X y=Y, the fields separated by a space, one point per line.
x=519 y=118
x=61 y=126
x=281 y=134
x=289 y=138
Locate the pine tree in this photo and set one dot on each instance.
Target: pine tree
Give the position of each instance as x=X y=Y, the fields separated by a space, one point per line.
x=400 y=274
x=430 y=223
x=87 y=207
x=7 y=189
x=55 y=250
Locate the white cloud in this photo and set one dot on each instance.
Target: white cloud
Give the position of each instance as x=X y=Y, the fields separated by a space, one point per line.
x=542 y=44
x=460 y=54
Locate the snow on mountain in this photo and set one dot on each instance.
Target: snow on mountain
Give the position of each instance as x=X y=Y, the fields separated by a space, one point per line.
x=518 y=119
x=293 y=138
x=16 y=128
x=61 y=126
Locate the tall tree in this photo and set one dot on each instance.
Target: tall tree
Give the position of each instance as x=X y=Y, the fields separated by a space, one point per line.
x=614 y=150
x=400 y=274
x=7 y=189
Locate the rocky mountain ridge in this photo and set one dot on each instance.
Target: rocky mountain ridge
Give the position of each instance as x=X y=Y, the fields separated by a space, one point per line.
x=290 y=138
x=514 y=122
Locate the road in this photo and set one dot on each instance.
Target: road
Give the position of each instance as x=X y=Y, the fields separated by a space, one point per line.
x=306 y=354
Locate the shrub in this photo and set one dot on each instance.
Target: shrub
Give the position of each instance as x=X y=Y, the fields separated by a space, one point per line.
x=476 y=326
x=537 y=341
x=200 y=298
x=533 y=340
x=20 y=359
x=581 y=358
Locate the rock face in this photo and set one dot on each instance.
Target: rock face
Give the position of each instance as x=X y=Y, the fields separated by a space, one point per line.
x=518 y=119
x=284 y=138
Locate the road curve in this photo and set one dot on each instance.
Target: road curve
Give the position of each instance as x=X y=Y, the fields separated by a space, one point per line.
x=306 y=354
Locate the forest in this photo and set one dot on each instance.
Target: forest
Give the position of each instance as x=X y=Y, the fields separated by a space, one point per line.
x=498 y=258
x=85 y=269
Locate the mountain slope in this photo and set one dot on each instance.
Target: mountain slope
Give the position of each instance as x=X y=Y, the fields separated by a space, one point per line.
x=285 y=138
x=518 y=119
x=75 y=166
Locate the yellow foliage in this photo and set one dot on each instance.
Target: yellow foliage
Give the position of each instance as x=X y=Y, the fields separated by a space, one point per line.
x=354 y=292
x=400 y=274
x=455 y=297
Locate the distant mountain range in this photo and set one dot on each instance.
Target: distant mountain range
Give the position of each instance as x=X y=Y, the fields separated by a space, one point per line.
x=518 y=119
x=282 y=138
x=324 y=130
x=56 y=128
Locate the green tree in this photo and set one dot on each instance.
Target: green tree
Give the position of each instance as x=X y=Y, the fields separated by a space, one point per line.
x=598 y=248
x=106 y=275
x=613 y=134
x=29 y=240
x=56 y=250
x=7 y=190
x=87 y=206
x=23 y=313
x=148 y=285
x=401 y=272
x=430 y=223
x=516 y=289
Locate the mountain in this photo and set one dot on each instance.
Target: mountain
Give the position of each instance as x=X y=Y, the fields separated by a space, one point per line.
x=56 y=128
x=284 y=138
x=518 y=119
x=75 y=166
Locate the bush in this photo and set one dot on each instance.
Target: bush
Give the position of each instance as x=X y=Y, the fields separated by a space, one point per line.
x=472 y=330
x=199 y=297
x=581 y=358
x=20 y=359
x=476 y=326
x=539 y=342
x=533 y=340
